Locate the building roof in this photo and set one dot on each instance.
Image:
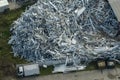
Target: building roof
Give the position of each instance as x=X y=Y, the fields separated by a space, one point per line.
x=3 y=3
x=115 y=4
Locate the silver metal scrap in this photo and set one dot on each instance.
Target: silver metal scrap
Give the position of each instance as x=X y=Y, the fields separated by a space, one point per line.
x=52 y=30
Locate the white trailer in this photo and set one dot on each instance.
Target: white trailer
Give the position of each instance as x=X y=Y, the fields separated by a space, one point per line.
x=28 y=70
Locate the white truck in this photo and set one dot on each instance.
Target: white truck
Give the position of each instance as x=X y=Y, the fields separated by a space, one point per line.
x=28 y=70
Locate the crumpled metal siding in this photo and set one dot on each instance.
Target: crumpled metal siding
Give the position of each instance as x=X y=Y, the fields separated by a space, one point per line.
x=57 y=29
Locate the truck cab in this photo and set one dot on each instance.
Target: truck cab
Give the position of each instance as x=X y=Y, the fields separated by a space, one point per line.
x=20 y=71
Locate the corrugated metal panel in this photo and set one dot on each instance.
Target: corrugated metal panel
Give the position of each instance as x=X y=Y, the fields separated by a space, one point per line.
x=115 y=4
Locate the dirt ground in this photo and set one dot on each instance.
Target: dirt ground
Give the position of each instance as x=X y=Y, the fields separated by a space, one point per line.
x=108 y=74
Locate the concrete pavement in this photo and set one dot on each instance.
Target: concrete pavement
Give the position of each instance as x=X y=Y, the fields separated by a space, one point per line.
x=108 y=74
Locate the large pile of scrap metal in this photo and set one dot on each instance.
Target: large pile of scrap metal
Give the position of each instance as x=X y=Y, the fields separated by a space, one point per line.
x=52 y=30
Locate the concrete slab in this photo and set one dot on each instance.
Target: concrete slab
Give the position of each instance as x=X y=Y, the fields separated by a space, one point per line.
x=108 y=74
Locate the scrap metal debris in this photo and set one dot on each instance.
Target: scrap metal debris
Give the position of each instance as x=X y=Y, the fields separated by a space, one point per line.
x=56 y=29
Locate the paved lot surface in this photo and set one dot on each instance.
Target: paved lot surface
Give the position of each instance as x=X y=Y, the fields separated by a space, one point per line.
x=113 y=74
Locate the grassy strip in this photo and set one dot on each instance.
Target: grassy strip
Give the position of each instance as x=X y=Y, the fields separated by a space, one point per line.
x=46 y=71
x=7 y=61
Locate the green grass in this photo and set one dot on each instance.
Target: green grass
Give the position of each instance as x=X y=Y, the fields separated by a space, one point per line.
x=46 y=71
x=7 y=61
x=91 y=66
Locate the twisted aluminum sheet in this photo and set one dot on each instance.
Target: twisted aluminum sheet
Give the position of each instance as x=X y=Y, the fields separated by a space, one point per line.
x=55 y=29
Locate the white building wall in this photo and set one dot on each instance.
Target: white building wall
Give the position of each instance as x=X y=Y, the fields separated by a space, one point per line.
x=3 y=5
